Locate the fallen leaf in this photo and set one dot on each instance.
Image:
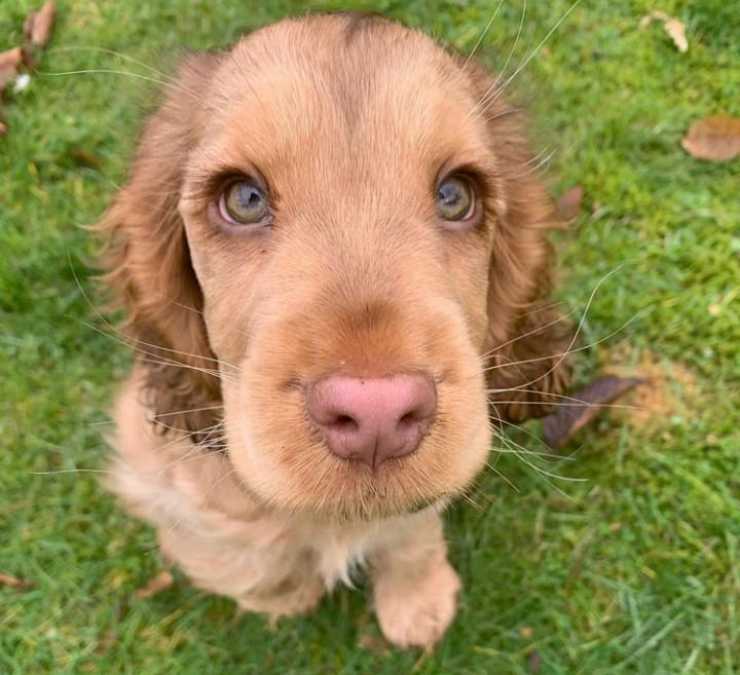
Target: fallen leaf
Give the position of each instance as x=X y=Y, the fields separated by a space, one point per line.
x=655 y=15
x=677 y=32
x=85 y=158
x=3 y=129
x=526 y=632
x=39 y=25
x=715 y=138
x=561 y=426
x=373 y=643
x=569 y=204
x=155 y=585
x=534 y=662
x=675 y=29
x=14 y=582
x=9 y=62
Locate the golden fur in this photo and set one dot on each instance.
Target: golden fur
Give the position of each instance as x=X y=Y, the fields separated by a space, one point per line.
x=350 y=120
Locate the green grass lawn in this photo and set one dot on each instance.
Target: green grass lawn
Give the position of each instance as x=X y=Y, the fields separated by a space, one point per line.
x=634 y=569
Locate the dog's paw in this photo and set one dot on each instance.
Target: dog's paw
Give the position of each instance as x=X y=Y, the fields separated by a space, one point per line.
x=417 y=613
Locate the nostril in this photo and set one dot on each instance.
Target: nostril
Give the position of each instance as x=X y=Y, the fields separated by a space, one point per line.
x=344 y=423
x=410 y=419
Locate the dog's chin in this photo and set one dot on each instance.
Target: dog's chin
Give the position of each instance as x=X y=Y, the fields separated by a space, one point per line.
x=350 y=499
x=339 y=490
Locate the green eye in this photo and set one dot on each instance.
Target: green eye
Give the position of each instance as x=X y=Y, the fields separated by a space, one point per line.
x=455 y=198
x=243 y=203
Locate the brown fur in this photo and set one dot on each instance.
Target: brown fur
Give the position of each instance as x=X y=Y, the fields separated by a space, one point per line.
x=349 y=120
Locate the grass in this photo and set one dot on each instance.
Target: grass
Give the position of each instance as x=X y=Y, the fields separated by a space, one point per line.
x=634 y=570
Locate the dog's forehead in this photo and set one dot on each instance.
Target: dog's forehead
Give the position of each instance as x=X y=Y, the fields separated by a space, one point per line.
x=340 y=92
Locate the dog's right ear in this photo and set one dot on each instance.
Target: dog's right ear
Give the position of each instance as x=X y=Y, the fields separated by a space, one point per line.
x=528 y=338
x=147 y=260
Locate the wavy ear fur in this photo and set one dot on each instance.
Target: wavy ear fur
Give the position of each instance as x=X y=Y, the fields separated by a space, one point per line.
x=147 y=262
x=527 y=337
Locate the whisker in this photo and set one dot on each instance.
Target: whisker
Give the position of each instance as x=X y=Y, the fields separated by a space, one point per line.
x=534 y=52
x=189 y=410
x=112 y=71
x=483 y=34
x=124 y=339
x=517 y=37
x=562 y=354
x=112 y=52
x=521 y=452
x=503 y=477
x=162 y=362
x=63 y=471
x=534 y=331
x=578 y=330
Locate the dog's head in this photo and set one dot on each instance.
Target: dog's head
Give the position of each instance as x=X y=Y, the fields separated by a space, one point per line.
x=330 y=234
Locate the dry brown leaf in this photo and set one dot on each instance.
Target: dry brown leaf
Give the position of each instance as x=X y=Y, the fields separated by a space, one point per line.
x=675 y=29
x=9 y=63
x=677 y=32
x=3 y=129
x=655 y=15
x=86 y=158
x=14 y=582
x=715 y=138
x=534 y=662
x=155 y=585
x=526 y=632
x=39 y=25
x=373 y=643
x=569 y=204
x=562 y=425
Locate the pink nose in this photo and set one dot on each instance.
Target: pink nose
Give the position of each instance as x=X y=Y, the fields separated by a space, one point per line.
x=372 y=419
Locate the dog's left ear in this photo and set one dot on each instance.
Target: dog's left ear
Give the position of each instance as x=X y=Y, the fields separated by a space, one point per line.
x=147 y=260
x=528 y=338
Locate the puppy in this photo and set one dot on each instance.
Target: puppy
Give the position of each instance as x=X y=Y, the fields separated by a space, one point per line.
x=332 y=253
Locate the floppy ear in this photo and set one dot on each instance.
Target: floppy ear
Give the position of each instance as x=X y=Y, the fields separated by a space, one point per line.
x=528 y=339
x=147 y=261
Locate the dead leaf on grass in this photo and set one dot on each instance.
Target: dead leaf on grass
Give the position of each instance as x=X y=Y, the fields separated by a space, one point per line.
x=561 y=426
x=10 y=60
x=677 y=32
x=715 y=138
x=86 y=158
x=3 y=129
x=372 y=642
x=534 y=662
x=569 y=204
x=155 y=585
x=675 y=29
x=39 y=25
x=526 y=632
x=14 y=582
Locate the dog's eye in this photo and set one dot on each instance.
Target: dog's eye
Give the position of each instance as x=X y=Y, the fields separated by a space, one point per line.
x=243 y=203
x=455 y=198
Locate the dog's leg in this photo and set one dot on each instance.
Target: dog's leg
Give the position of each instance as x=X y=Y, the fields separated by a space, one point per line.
x=415 y=587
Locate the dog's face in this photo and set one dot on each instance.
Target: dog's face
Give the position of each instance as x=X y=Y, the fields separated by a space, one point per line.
x=347 y=220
